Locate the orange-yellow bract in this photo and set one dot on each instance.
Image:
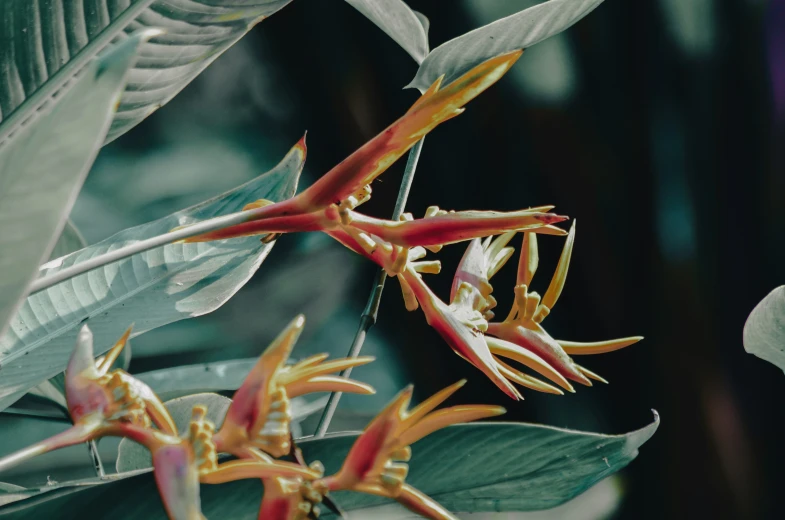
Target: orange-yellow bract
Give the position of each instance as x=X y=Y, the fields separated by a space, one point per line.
x=377 y=462
x=256 y=430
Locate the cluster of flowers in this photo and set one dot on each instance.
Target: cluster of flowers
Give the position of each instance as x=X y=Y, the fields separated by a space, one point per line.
x=256 y=431
x=330 y=206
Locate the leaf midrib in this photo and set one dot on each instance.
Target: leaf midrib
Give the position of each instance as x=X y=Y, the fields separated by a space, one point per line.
x=68 y=71
x=62 y=330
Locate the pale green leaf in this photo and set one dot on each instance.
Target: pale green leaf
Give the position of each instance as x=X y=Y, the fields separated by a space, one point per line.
x=43 y=166
x=150 y=289
x=514 y=32
x=764 y=332
x=46 y=43
x=70 y=240
x=408 y=28
x=468 y=468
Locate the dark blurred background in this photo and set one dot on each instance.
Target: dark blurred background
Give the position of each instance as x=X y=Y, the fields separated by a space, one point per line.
x=658 y=124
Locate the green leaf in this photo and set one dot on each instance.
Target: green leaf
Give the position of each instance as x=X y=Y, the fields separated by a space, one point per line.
x=43 y=166
x=467 y=468
x=408 y=28
x=150 y=289
x=764 y=332
x=70 y=240
x=514 y=32
x=46 y=43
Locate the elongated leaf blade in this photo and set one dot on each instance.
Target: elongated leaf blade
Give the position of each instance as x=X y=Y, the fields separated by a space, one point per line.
x=468 y=468
x=70 y=240
x=764 y=332
x=43 y=166
x=518 y=31
x=394 y=17
x=150 y=289
x=46 y=43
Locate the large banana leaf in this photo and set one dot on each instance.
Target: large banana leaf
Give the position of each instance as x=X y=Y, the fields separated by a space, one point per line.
x=470 y=467
x=407 y=28
x=517 y=31
x=150 y=289
x=45 y=43
x=43 y=166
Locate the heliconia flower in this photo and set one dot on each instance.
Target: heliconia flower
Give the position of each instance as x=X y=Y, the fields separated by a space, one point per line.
x=522 y=328
x=347 y=185
x=260 y=416
x=450 y=227
x=461 y=325
x=181 y=463
x=97 y=398
x=376 y=463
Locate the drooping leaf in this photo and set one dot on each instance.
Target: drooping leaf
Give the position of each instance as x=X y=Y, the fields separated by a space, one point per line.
x=473 y=467
x=514 y=32
x=46 y=43
x=764 y=332
x=400 y=23
x=43 y=166
x=150 y=289
x=70 y=240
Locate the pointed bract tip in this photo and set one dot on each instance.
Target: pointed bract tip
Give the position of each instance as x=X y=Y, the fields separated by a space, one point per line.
x=300 y=145
x=298 y=322
x=550 y=218
x=497 y=410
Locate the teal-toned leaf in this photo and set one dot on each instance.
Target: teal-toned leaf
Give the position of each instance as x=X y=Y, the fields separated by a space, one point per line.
x=43 y=166
x=764 y=332
x=599 y=502
x=150 y=289
x=46 y=43
x=514 y=32
x=170 y=383
x=408 y=28
x=472 y=467
x=9 y=493
x=70 y=240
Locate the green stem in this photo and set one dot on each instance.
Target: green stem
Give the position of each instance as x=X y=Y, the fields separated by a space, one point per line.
x=371 y=311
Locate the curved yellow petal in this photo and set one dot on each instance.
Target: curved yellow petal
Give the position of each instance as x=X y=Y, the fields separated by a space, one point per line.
x=598 y=347
x=500 y=347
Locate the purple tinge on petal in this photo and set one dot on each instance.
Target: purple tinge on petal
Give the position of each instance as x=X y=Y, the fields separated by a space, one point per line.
x=775 y=41
x=178 y=481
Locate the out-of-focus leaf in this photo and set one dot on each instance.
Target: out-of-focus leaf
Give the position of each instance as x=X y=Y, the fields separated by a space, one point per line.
x=70 y=240
x=764 y=332
x=44 y=163
x=517 y=31
x=472 y=467
x=400 y=23
x=45 y=45
x=170 y=383
x=150 y=289
x=9 y=492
